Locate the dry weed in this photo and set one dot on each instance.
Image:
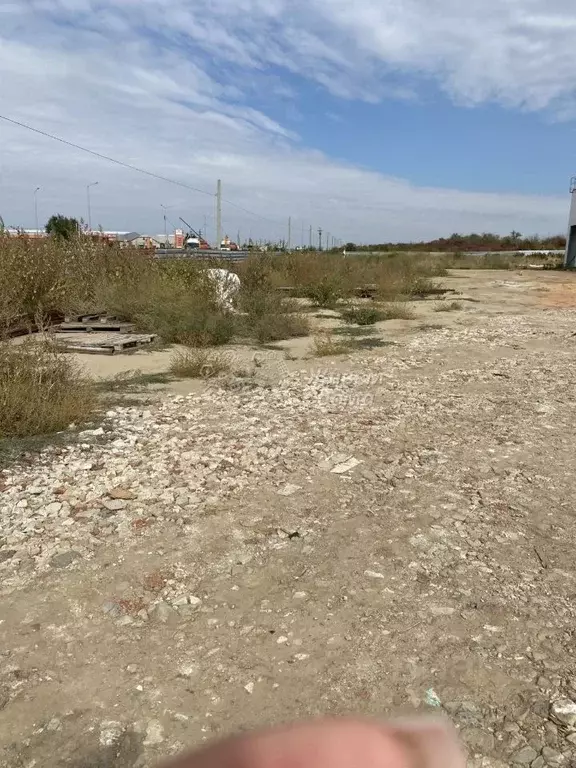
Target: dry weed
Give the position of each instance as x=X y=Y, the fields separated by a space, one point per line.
x=41 y=391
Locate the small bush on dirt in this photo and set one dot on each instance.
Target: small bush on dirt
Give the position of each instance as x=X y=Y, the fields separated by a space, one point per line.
x=355 y=331
x=362 y=315
x=189 y=324
x=421 y=286
x=448 y=306
x=325 y=292
x=198 y=363
x=177 y=308
x=326 y=344
x=41 y=391
x=277 y=327
x=430 y=327
x=396 y=311
x=267 y=316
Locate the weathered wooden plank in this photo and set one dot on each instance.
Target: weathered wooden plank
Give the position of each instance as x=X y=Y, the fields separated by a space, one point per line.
x=109 y=345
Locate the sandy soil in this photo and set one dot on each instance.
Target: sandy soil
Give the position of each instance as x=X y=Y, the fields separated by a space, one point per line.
x=436 y=574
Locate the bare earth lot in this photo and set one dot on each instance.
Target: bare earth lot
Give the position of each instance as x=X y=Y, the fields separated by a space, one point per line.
x=200 y=568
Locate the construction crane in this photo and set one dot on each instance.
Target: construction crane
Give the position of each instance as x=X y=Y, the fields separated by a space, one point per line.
x=194 y=240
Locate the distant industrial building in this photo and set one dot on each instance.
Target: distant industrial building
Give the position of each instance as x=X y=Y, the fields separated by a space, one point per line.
x=134 y=239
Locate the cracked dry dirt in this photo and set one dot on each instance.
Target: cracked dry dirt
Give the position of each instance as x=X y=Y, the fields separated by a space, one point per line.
x=204 y=570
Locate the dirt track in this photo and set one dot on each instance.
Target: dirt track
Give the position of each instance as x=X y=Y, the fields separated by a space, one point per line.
x=439 y=570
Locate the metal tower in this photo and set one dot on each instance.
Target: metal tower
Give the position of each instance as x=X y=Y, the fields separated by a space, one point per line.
x=570 y=258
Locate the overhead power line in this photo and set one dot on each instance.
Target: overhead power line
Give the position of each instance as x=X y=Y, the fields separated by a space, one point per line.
x=129 y=165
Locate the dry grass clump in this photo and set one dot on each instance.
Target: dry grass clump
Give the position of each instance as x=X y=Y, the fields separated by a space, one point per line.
x=266 y=314
x=397 y=311
x=325 y=344
x=327 y=278
x=448 y=306
x=362 y=315
x=41 y=391
x=198 y=363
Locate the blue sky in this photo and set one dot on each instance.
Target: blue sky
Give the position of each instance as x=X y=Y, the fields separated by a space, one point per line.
x=375 y=120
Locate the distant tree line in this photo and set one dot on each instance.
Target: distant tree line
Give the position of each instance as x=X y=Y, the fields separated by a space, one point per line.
x=487 y=241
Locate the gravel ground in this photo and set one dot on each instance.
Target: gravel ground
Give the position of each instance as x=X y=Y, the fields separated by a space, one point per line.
x=389 y=532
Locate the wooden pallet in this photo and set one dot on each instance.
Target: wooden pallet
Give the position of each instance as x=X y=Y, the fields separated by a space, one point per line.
x=107 y=345
x=86 y=318
x=95 y=326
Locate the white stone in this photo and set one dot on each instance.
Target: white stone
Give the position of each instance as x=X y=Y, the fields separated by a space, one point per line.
x=113 y=505
x=53 y=508
x=564 y=712
x=345 y=466
x=289 y=490
x=154 y=733
x=187 y=670
x=374 y=575
x=110 y=732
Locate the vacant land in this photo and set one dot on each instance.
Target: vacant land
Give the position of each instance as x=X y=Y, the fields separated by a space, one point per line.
x=379 y=532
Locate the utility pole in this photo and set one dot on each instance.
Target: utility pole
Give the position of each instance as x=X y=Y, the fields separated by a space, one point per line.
x=302 y=236
x=238 y=239
x=319 y=238
x=166 y=244
x=310 y=243
x=36 y=209
x=93 y=184
x=219 y=214
x=289 y=233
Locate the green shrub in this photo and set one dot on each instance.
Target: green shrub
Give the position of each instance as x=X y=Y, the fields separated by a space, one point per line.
x=362 y=315
x=181 y=311
x=325 y=292
x=267 y=316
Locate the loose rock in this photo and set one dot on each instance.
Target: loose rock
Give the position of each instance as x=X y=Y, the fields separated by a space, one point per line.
x=563 y=711
x=64 y=559
x=524 y=756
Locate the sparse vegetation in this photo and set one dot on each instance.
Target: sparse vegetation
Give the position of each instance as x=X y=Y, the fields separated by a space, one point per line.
x=430 y=327
x=327 y=278
x=325 y=344
x=198 y=363
x=362 y=315
x=41 y=391
x=448 y=306
x=267 y=315
x=353 y=331
x=397 y=311
x=72 y=273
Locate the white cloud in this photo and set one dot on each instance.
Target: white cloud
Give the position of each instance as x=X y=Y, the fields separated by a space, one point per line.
x=132 y=79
